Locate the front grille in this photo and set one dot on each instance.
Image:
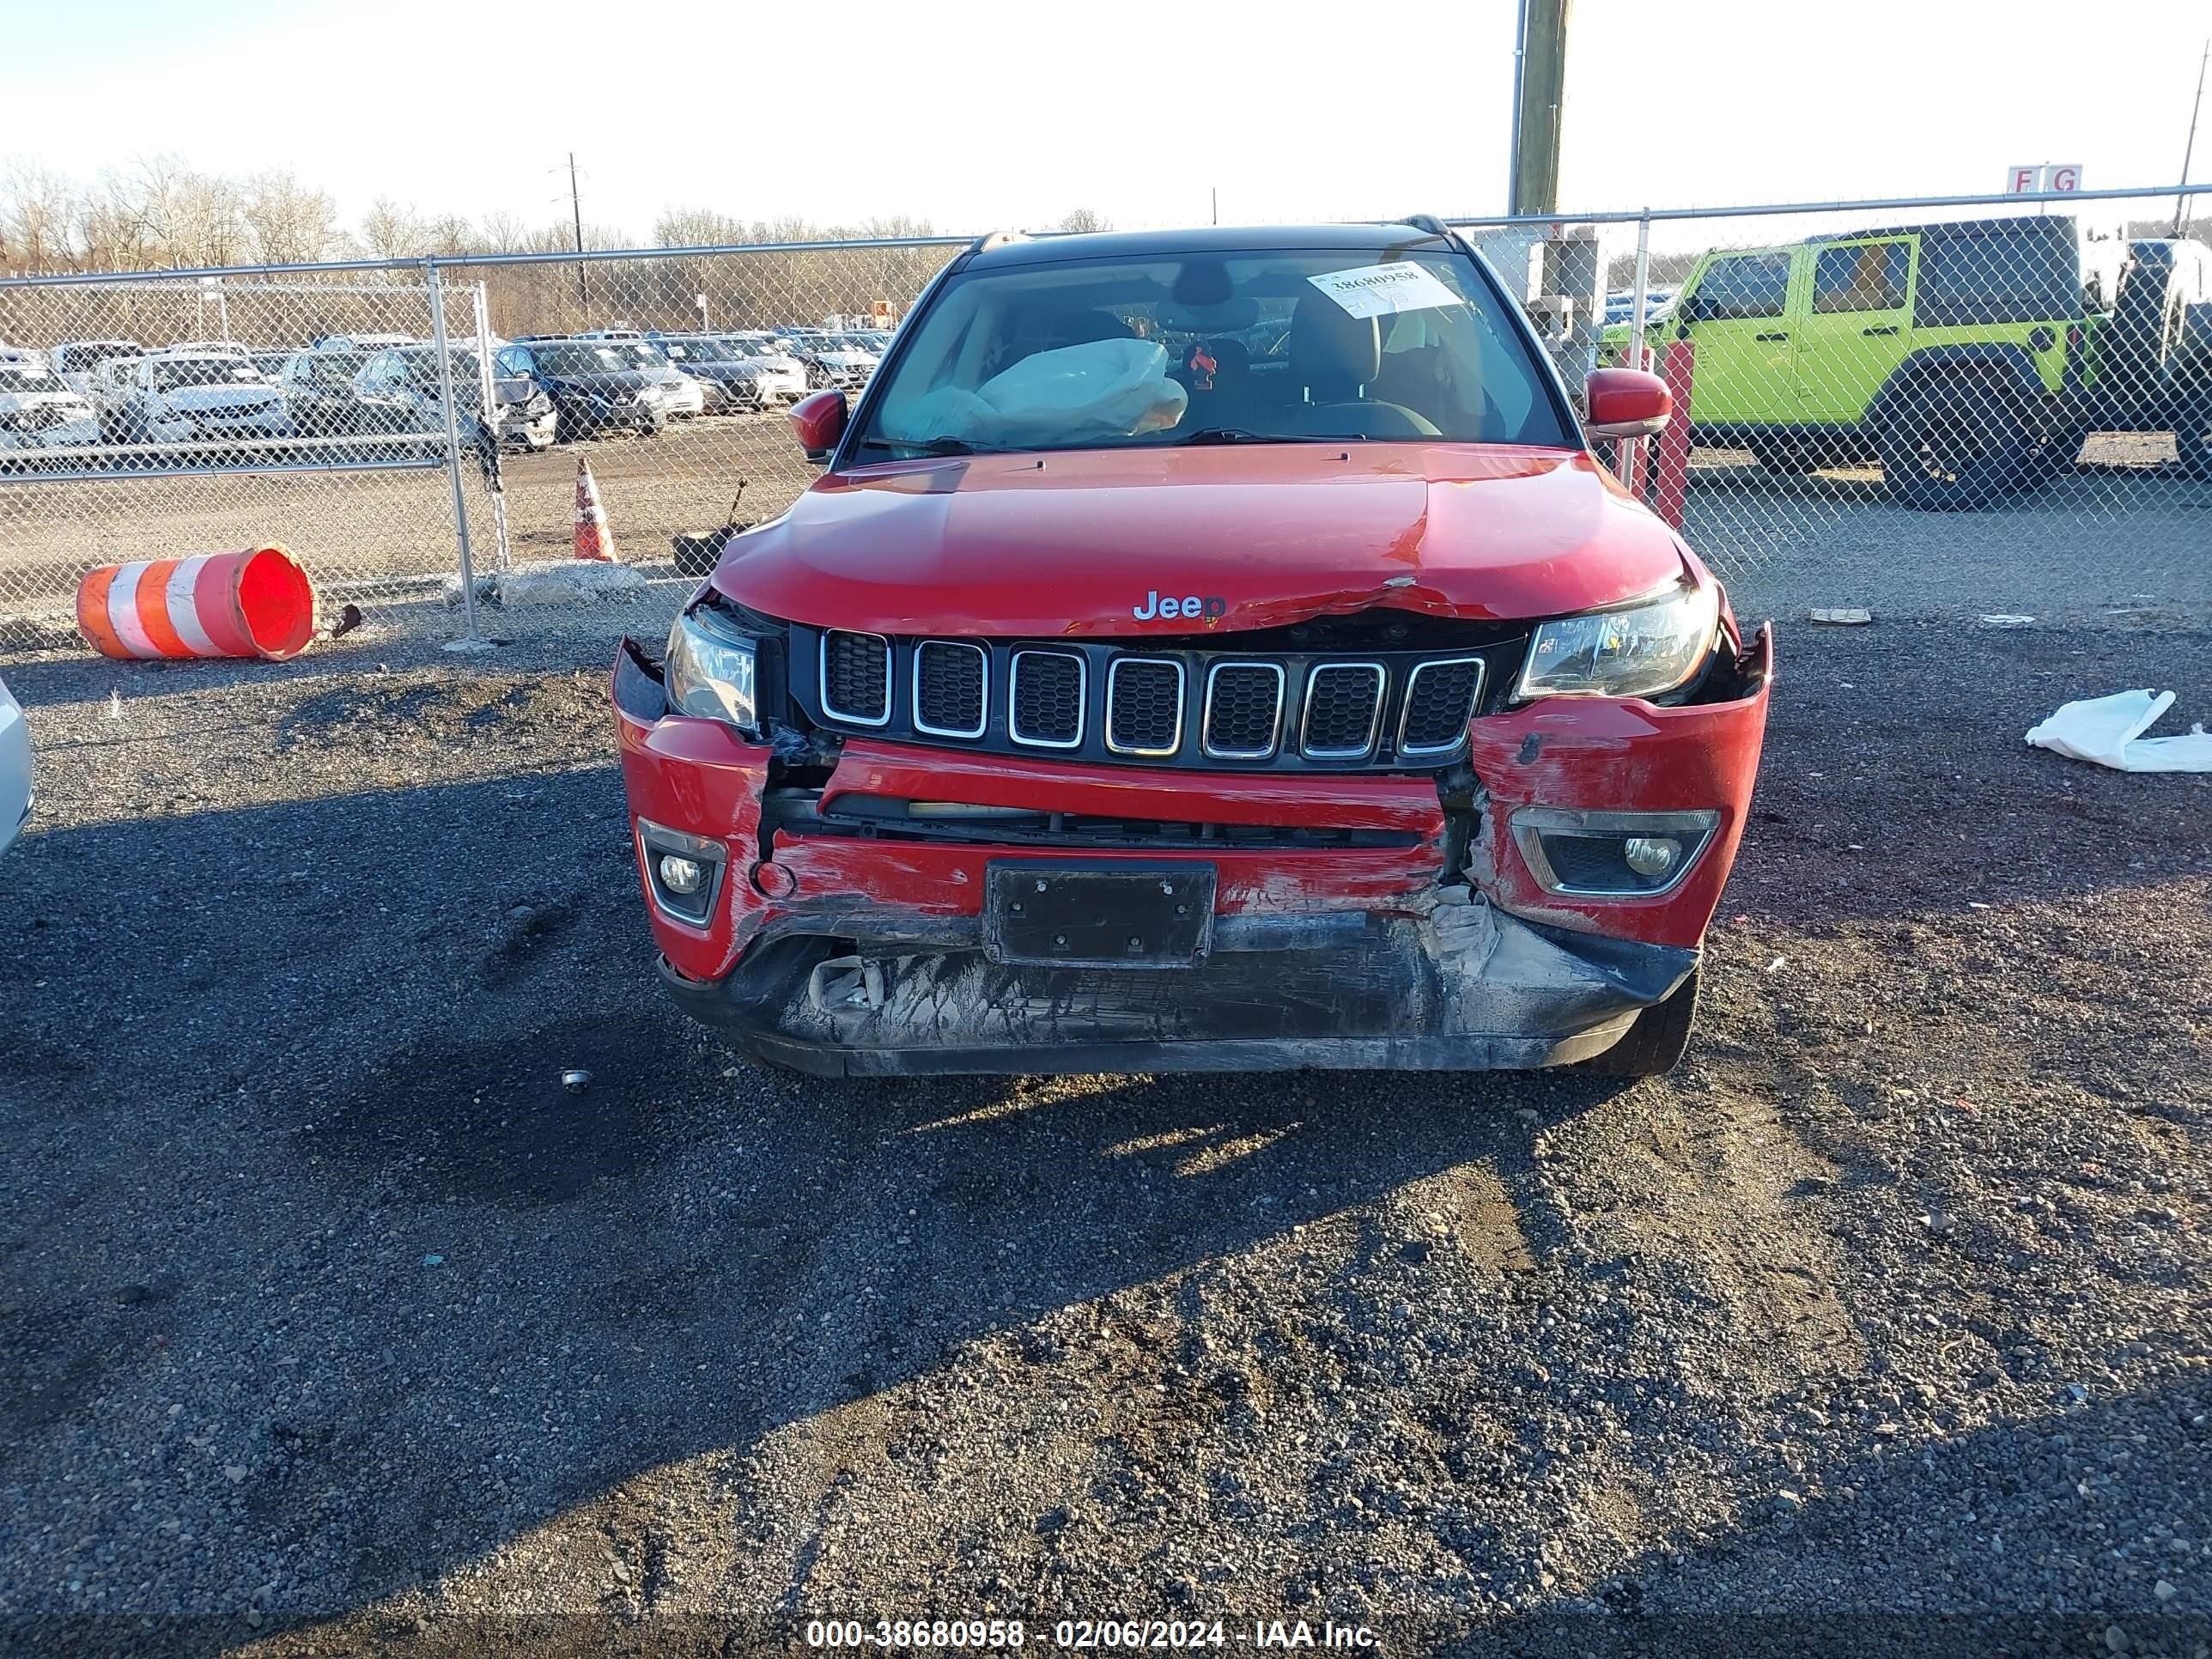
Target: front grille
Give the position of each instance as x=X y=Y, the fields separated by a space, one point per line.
x=1344 y=705
x=950 y=688
x=1047 y=703
x=1143 y=705
x=856 y=677
x=1272 y=703
x=1243 y=709
x=1439 y=702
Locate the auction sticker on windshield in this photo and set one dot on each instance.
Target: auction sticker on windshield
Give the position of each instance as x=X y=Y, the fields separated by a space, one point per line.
x=1378 y=291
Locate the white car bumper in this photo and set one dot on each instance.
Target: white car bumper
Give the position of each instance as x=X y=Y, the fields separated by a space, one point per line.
x=214 y=425
x=68 y=435
x=15 y=769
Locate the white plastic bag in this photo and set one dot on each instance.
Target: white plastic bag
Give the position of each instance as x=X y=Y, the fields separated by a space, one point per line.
x=1070 y=395
x=2109 y=731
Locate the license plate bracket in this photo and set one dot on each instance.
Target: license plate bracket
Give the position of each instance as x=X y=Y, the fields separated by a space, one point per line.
x=1150 y=914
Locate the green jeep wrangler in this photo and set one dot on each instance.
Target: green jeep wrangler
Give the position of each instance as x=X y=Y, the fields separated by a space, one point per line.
x=1962 y=357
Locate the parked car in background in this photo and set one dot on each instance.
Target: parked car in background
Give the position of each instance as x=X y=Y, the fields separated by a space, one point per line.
x=835 y=361
x=38 y=412
x=2150 y=365
x=77 y=362
x=733 y=376
x=361 y=343
x=15 y=784
x=1967 y=358
x=207 y=349
x=398 y=391
x=682 y=395
x=595 y=385
x=787 y=374
x=318 y=388
x=9 y=353
x=111 y=384
x=1620 y=308
x=194 y=397
x=271 y=363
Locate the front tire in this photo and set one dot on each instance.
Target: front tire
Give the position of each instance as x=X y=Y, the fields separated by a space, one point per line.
x=1957 y=446
x=1658 y=1039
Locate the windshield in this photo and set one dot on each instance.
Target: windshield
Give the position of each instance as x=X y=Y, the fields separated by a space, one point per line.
x=14 y=377
x=90 y=354
x=203 y=371
x=1260 y=346
x=335 y=368
x=695 y=351
x=645 y=354
x=758 y=348
x=584 y=359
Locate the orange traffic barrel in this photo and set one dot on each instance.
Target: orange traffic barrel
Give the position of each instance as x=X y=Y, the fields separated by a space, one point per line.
x=255 y=604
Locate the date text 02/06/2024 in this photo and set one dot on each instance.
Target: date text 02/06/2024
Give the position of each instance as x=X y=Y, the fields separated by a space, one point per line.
x=1109 y=1634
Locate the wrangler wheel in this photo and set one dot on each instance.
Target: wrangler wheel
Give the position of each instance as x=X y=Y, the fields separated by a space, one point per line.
x=1956 y=446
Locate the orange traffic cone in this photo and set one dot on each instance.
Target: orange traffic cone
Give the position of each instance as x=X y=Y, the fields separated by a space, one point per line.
x=594 y=540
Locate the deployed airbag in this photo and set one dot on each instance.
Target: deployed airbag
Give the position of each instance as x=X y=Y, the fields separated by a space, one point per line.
x=1070 y=395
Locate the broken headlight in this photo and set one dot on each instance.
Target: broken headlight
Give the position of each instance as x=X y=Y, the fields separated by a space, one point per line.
x=713 y=671
x=1641 y=652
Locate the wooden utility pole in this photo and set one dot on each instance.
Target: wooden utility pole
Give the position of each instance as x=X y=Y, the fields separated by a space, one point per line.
x=2181 y=204
x=1541 y=65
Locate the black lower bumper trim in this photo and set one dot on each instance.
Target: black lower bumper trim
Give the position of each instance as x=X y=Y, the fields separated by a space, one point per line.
x=1466 y=989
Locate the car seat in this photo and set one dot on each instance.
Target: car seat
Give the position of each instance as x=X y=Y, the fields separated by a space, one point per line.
x=1335 y=355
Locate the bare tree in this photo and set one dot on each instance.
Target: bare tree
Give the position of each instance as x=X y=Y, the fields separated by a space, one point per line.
x=1084 y=218
x=390 y=231
x=39 y=215
x=287 y=223
x=697 y=227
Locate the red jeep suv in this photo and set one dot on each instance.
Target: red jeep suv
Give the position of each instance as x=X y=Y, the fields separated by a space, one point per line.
x=1203 y=650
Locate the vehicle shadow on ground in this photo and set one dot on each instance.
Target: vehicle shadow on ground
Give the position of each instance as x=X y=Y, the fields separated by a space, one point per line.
x=351 y=1017
x=2000 y=1540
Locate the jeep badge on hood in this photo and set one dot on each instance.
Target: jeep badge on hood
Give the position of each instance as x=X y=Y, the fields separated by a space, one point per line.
x=1154 y=606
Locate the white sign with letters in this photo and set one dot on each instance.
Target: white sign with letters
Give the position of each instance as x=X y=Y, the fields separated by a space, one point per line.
x=2059 y=178
x=1379 y=291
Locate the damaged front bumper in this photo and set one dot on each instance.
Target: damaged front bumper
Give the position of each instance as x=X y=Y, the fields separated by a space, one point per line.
x=1351 y=921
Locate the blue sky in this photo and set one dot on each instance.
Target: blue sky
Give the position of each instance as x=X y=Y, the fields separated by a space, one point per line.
x=988 y=113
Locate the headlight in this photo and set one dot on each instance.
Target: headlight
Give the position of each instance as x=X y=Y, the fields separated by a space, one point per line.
x=712 y=671
x=1639 y=653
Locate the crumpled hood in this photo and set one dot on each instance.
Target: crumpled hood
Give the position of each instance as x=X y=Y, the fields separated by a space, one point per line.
x=1082 y=543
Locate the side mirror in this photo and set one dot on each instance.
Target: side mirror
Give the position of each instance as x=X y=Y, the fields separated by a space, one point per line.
x=819 y=421
x=1626 y=403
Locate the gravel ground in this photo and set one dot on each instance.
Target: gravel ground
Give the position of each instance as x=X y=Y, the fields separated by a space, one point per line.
x=329 y=1323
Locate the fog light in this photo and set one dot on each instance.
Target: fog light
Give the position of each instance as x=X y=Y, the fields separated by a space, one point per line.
x=1650 y=855
x=682 y=875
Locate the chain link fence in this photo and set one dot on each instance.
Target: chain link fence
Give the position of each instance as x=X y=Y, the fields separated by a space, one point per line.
x=1978 y=405
x=1937 y=406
